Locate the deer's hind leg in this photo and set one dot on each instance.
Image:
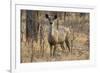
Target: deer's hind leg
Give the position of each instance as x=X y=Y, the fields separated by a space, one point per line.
x=63 y=47
x=68 y=44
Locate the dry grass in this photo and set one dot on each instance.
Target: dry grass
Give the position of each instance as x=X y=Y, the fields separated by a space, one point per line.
x=80 y=51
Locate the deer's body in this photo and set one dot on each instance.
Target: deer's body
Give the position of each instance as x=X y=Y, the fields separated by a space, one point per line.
x=57 y=36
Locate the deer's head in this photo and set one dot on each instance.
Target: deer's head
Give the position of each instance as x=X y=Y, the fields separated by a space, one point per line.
x=51 y=18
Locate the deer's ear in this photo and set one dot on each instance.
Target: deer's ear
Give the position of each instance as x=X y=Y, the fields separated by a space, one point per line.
x=55 y=17
x=46 y=15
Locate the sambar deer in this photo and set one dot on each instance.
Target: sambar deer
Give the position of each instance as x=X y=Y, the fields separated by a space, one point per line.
x=57 y=35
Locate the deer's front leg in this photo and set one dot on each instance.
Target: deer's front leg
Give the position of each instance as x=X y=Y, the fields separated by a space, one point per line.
x=54 y=50
x=51 y=50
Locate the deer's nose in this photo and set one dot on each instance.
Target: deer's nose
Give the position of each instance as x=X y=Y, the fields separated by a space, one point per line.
x=50 y=22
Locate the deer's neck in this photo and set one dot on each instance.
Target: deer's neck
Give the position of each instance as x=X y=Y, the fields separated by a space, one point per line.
x=51 y=30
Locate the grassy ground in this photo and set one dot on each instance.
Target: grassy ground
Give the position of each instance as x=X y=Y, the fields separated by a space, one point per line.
x=80 y=51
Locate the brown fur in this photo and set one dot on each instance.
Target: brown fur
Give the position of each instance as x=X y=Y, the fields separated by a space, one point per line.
x=57 y=36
